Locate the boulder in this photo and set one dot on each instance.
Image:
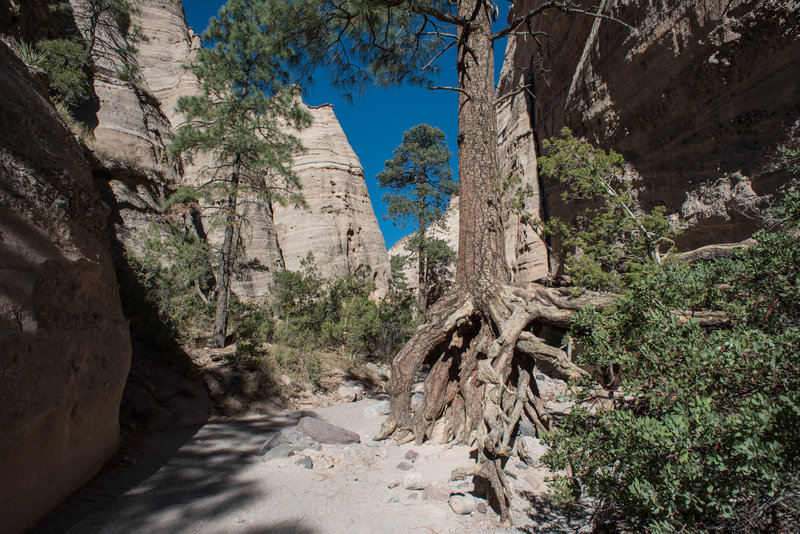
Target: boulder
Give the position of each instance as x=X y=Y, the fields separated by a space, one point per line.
x=530 y=450
x=325 y=432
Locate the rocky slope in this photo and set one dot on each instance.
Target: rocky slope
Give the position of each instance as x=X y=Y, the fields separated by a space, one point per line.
x=696 y=100
x=64 y=343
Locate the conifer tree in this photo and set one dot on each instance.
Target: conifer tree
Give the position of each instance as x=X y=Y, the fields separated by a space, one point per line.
x=471 y=336
x=241 y=118
x=420 y=185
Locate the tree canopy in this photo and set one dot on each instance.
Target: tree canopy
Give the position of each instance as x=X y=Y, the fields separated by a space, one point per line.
x=243 y=118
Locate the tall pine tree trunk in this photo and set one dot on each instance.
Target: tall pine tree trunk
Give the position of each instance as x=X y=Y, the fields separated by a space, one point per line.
x=226 y=268
x=481 y=240
x=477 y=339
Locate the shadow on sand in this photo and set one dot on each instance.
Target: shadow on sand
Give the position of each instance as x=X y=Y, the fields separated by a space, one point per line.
x=175 y=482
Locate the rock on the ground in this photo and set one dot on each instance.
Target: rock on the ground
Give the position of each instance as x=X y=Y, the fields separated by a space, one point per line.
x=481 y=507
x=405 y=466
x=411 y=455
x=325 y=432
x=378 y=372
x=462 y=504
x=437 y=491
x=414 y=481
x=379 y=408
x=279 y=451
x=530 y=450
x=305 y=461
x=297 y=441
x=394 y=483
x=351 y=393
x=526 y=428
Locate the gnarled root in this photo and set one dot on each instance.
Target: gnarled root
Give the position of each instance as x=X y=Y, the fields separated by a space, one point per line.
x=481 y=380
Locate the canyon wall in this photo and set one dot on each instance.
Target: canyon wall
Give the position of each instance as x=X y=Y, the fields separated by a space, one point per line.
x=696 y=98
x=64 y=343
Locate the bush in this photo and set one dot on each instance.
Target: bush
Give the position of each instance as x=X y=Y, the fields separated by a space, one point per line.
x=704 y=434
x=611 y=236
x=173 y=266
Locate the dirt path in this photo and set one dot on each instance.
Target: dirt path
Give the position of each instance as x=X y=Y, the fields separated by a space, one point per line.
x=214 y=480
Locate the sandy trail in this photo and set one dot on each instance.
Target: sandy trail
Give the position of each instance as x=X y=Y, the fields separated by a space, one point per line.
x=214 y=480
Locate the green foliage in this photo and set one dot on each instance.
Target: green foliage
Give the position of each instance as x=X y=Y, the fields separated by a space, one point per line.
x=67 y=63
x=173 y=266
x=309 y=312
x=611 y=237
x=245 y=106
x=420 y=185
x=419 y=178
x=360 y=42
x=704 y=434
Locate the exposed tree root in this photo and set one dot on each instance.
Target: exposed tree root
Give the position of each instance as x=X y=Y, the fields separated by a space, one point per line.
x=481 y=382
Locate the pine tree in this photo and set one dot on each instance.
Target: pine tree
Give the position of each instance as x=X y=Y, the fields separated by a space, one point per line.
x=420 y=185
x=472 y=333
x=241 y=118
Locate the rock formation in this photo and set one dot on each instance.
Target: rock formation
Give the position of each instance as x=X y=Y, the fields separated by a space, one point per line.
x=64 y=343
x=696 y=100
x=339 y=226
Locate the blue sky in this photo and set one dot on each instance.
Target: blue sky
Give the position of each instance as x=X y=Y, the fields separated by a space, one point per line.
x=374 y=123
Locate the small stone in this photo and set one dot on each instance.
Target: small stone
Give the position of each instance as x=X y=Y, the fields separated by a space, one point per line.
x=416 y=401
x=462 y=504
x=405 y=466
x=281 y=451
x=526 y=428
x=394 y=483
x=412 y=455
x=325 y=432
x=530 y=450
x=297 y=441
x=414 y=481
x=305 y=461
x=322 y=462
x=377 y=371
x=379 y=408
x=437 y=491
x=393 y=500
x=351 y=393
x=481 y=507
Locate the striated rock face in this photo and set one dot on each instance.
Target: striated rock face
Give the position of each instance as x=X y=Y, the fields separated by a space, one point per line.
x=695 y=100
x=64 y=343
x=339 y=226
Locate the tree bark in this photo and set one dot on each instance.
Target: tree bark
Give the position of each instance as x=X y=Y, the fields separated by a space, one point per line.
x=481 y=239
x=220 y=331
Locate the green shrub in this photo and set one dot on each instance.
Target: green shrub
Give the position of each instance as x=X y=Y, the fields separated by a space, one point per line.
x=67 y=63
x=611 y=236
x=704 y=434
x=173 y=266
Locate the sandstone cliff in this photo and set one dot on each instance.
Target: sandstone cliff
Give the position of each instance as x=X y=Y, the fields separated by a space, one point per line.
x=339 y=226
x=64 y=343
x=696 y=100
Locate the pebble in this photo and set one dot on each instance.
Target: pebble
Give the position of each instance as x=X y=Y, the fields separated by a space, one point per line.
x=462 y=504
x=411 y=455
x=414 y=481
x=405 y=466
x=394 y=483
x=481 y=507
x=393 y=500
x=305 y=461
